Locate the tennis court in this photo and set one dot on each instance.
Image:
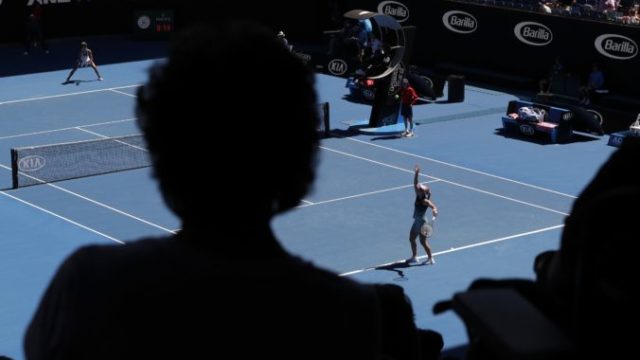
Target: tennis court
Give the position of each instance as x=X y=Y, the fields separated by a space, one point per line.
x=502 y=200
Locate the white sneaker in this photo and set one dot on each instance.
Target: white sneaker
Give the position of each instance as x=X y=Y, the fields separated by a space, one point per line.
x=410 y=133
x=412 y=260
x=100 y=78
x=430 y=261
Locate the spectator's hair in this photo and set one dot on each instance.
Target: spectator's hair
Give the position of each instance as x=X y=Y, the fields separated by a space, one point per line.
x=263 y=151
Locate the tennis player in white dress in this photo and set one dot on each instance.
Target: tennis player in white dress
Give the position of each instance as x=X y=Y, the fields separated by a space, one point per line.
x=85 y=58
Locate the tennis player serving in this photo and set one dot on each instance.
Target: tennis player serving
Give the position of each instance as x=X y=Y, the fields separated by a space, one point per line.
x=422 y=226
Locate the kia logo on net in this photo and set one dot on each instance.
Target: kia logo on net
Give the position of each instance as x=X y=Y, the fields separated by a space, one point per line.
x=31 y=163
x=533 y=33
x=337 y=67
x=616 y=46
x=394 y=9
x=460 y=22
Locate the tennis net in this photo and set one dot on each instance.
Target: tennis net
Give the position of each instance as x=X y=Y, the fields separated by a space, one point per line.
x=48 y=163
x=324 y=126
x=56 y=162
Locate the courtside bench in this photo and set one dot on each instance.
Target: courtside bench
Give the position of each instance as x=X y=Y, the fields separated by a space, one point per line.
x=616 y=138
x=556 y=125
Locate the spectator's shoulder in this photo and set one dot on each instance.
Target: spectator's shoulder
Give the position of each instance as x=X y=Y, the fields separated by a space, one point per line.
x=111 y=255
x=329 y=280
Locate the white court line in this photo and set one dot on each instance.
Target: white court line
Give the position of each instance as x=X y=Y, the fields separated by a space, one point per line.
x=308 y=203
x=123 y=93
x=449 y=182
x=361 y=195
x=118 y=141
x=67 y=94
x=482 y=243
x=95 y=202
x=65 y=129
x=463 y=168
x=62 y=218
x=91 y=132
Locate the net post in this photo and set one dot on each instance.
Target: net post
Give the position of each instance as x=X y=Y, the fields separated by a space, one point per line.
x=325 y=119
x=14 y=168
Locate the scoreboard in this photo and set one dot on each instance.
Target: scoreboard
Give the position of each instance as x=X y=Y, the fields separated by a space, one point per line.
x=151 y=24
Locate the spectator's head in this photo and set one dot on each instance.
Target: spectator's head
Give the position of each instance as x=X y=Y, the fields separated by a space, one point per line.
x=260 y=101
x=281 y=34
x=611 y=5
x=544 y=8
x=83 y=44
x=405 y=83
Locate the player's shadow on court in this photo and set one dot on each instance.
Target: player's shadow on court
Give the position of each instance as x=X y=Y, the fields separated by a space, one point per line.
x=388 y=137
x=353 y=131
x=78 y=82
x=397 y=267
x=343 y=133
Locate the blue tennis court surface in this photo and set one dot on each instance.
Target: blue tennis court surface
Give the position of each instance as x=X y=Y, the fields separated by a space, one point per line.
x=502 y=200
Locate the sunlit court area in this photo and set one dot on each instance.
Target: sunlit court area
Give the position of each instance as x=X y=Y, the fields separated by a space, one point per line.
x=518 y=104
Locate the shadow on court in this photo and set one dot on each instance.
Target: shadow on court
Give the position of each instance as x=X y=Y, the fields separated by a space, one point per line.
x=399 y=268
x=78 y=82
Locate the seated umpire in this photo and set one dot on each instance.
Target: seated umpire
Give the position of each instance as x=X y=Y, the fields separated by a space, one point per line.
x=223 y=286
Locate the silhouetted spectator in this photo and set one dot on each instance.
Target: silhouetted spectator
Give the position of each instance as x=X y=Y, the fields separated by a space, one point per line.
x=34 y=32
x=591 y=278
x=223 y=285
x=283 y=40
x=587 y=287
x=595 y=82
x=556 y=70
x=614 y=174
x=396 y=332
